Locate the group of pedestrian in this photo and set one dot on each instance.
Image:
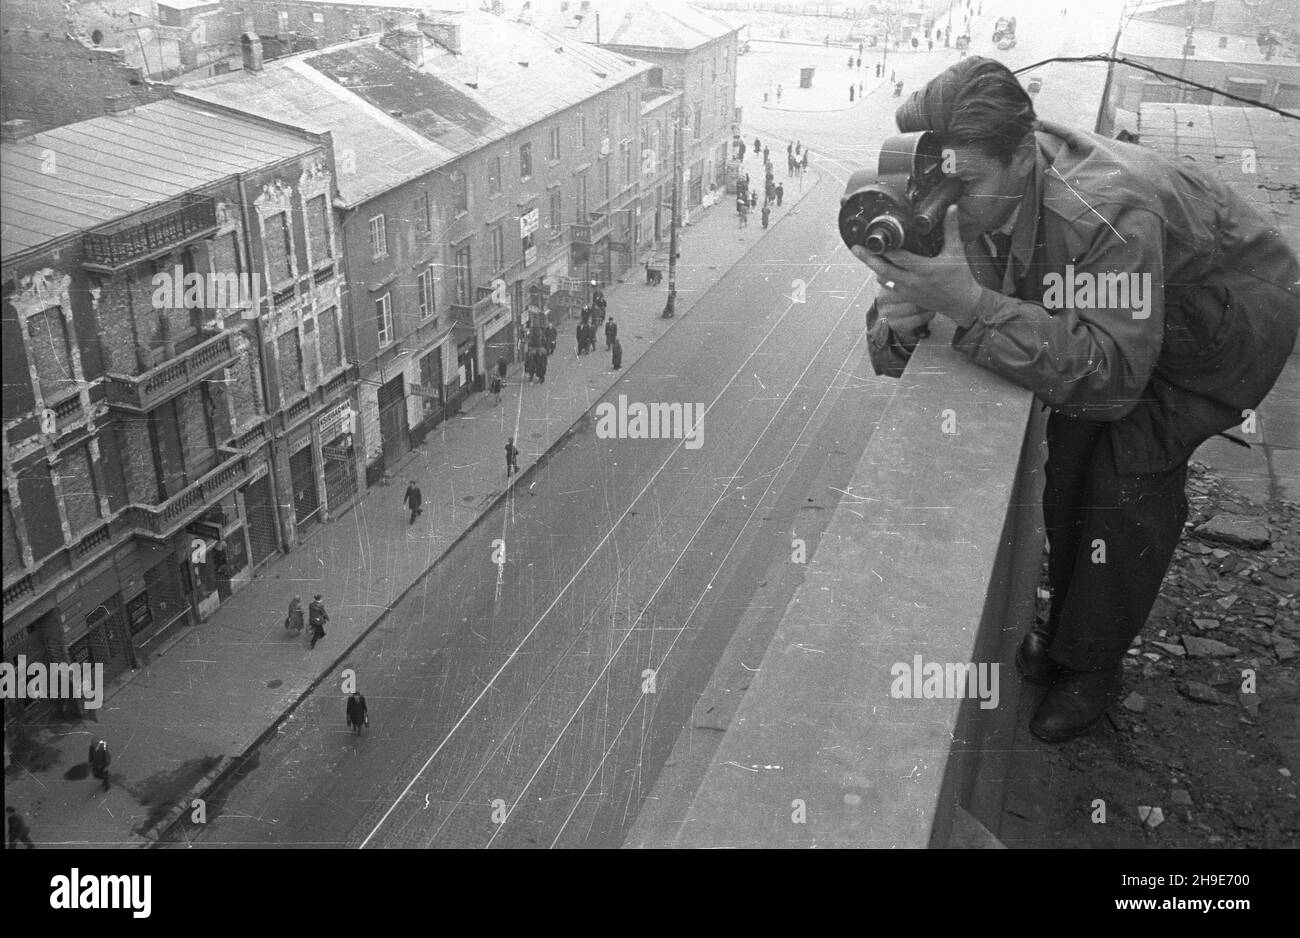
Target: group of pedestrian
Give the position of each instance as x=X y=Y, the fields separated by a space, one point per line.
x=316 y=614
x=796 y=161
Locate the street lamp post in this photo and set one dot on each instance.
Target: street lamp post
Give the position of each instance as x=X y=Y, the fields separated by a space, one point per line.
x=669 y=311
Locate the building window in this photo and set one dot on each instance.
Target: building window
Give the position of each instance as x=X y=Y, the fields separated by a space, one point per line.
x=318 y=19
x=291 y=376
x=331 y=349
x=494 y=176
x=555 y=143
x=47 y=342
x=279 y=247
x=627 y=164
x=378 y=238
x=604 y=120
x=655 y=78
x=525 y=161
x=498 y=244
x=604 y=175
x=582 y=130
x=423 y=220
x=556 y=216
x=581 y=203
x=463 y=280
x=80 y=500
x=384 y=319
x=318 y=229
x=699 y=120
x=283 y=17
x=424 y=287
x=460 y=185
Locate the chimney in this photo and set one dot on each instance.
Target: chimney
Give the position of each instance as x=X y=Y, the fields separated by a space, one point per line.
x=16 y=130
x=406 y=42
x=251 y=46
x=446 y=35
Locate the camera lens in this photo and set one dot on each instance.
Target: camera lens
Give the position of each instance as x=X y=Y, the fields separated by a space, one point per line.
x=884 y=233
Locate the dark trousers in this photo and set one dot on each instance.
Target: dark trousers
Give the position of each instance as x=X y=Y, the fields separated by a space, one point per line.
x=415 y=511
x=15 y=839
x=1098 y=608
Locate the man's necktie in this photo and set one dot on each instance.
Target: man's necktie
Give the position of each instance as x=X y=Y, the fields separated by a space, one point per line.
x=1000 y=242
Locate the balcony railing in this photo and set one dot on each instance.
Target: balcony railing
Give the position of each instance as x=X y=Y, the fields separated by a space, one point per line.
x=111 y=251
x=155 y=521
x=143 y=392
x=164 y=519
x=480 y=312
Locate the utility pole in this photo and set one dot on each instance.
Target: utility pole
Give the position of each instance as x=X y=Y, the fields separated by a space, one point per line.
x=668 y=312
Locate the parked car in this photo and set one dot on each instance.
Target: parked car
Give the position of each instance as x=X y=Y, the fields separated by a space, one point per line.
x=1007 y=42
x=1006 y=26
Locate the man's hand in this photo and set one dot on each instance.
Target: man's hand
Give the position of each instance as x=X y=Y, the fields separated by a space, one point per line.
x=906 y=319
x=942 y=284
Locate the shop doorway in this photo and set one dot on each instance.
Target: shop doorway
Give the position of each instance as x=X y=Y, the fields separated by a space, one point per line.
x=259 y=508
x=393 y=428
x=306 y=498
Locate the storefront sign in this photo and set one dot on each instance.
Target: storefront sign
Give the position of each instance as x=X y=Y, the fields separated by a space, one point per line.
x=528 y=223
x=530 y=256
x=337 y=453
x=421 y=390
x=336 y=420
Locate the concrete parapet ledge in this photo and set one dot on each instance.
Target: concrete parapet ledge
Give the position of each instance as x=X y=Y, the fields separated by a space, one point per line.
x=934 y=552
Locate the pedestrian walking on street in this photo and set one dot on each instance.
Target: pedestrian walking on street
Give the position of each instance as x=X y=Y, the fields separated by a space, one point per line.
x=99 y=760
x=611 y=333
x=767 y=156
x=618 y=354
x=780 y=193
x=551 y=336
x=412 y=498
x=767 y=212
x=512 y=457
x=898 y=90
x=18 y=830
x=803 y=166
x=850 y=93
x=316 y=619
x=850 y=61
x=542 y=362
x=294 y=621
x=581 y=336
x=358 y=715
x=742 y=151
x=496 y=390
x=859 y=63
x=778 y=94
x=742 y=210
x=501 y=366
x=859 y=89
x=753 y=199
x=758 y=145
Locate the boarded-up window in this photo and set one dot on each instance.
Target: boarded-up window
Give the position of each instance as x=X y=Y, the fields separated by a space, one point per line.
x=47 y=337
x=36 y=490
x=194 y=411
x=279 y=247
x=331 y=355
x=290 y=364
x=318 y=230
x=13 y=554
x=80 y=500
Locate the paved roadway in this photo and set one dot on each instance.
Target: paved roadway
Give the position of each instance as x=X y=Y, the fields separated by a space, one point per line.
x=511 y=704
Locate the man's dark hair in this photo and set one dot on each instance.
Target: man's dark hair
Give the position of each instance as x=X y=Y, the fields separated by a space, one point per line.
x=975 y=102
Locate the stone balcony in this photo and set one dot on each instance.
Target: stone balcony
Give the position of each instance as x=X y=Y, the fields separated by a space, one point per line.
x=141 y=393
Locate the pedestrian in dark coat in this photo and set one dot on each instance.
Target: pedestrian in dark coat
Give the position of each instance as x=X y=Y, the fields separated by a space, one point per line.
x=18 y=830
x=767 y=212
x=551 y=335
x=496 y=389
x=99 y=760
x=316 y=619
x=742 y=150
x=412 y=500
x=611 y=333
x=758 y=145
x=512 y=457
x=803 y=165
x=753 y=199
x=780 y=193
x=294 y=621
x=582 y=338
x=357 y=714
x=850 y=92
x=542 y=362
x=618 y=354
x=501 y=366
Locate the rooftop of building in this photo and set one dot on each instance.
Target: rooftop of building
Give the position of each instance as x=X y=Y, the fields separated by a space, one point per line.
x=401 y=121
x=1219 y=140
x=85 y=175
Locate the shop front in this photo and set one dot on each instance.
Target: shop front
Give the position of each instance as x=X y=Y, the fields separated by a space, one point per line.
x=336 y=428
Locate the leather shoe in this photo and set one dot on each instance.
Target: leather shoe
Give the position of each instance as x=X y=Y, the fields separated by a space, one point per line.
x=1032 y=661
x=1076 y=701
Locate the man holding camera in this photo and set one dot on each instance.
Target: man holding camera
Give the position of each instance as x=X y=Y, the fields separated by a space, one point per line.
x=1202 y=309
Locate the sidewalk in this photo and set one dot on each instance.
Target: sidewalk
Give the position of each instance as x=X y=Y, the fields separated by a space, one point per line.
x=217 y=688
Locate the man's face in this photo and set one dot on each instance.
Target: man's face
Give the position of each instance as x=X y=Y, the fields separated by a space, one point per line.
x=993 y=188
